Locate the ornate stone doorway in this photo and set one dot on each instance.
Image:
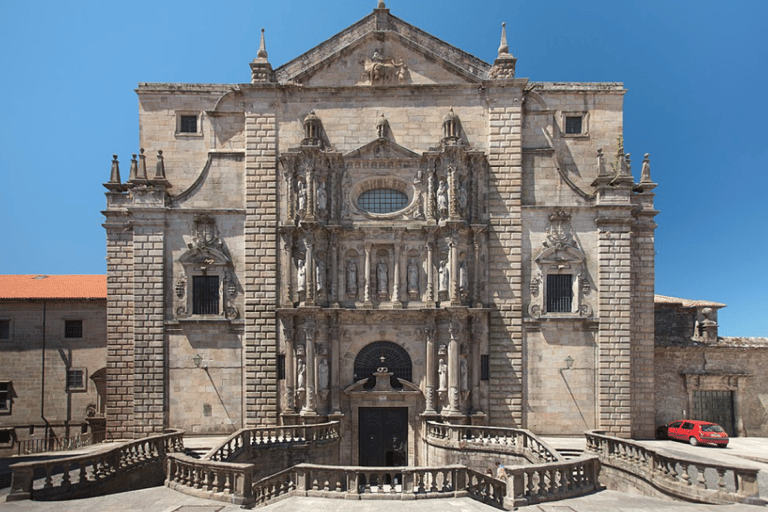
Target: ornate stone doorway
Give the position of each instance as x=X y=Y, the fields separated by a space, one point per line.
x=383 y=436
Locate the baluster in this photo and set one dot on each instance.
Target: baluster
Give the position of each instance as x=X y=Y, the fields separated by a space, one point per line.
x=65 y=475
x=367 y=477
x=701 y=481
x=196 y=474
x=82 y=476
x=684 y=473
x=720 y=479
x=227 y=482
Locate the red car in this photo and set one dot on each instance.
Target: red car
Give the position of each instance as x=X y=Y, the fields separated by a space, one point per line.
x=695 y=432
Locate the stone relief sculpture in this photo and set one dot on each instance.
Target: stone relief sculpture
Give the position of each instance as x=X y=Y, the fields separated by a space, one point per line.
x=463 y=199
x=320 y=273
x=413 y=279
x=322 y=200
x=323 y=374
x=442 y=199
x=301 y=276
x=442 y=371
x=380 y=70
x=351 y=279
x=443 y=277
x=301 y=378
x=302 y=197
x=382 y=277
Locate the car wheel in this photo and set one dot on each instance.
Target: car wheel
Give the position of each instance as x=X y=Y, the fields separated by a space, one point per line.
x=693 y=441
x=661 y=433
x=723 y=445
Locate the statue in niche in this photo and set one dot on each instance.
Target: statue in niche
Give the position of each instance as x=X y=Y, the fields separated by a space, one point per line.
x=302 y=196
x=351 y=278
x=322 y=199
x=382 y=276
x=442 y=198
x=301 y=275
x=320 y=272
x=301 y=379
x=464 y=372
x=417 y=179
x=463 y=200
x=322 y=374
x=443 y=277
x=442 y=371
x=463 y=279
x=413 y=278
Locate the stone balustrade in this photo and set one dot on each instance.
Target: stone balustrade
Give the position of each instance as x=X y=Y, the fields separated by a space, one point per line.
x=695 y=480
x=237 y=443
x=516 y=441
x=97 y=472
x=539 y=483
x=222 y=481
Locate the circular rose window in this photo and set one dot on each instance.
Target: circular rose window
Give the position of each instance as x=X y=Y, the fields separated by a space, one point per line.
x=382 y=200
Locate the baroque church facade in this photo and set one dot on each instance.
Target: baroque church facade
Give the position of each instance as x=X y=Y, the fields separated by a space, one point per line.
x=383 y=231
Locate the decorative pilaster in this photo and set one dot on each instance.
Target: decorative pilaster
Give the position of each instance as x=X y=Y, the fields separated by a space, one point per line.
x=367 y=278
x=310 y=400
x=455 y=295
x=453 y=368
x=429 y=395
x=430 y=298
x=289 y=404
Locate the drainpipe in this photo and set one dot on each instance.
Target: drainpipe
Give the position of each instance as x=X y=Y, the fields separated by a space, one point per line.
x=42 y=381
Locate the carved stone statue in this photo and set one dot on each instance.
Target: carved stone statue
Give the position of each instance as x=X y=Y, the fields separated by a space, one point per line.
x=322 y=199
x=442 y=371
x=320 y=272
x=322 y=374
x=463 y=200
x=444 y=278
x=442 y=198
x=382 y=276
x=301 y=379
x=413 y=278
x=464 y=374
x=463 y=279
x=351 y=278
x=301 y=276
x=302 y=196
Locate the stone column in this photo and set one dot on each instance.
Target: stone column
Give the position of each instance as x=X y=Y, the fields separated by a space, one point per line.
x=431 y=193
x=475 y=344
x=430 y=299
x=453 y=367
x=334 y=247
x=290 y=363
x=367 y=277
x=737 y=417
x=454 y=263
x=287 y=270
x=309 y=266
x=477 y=278
x=290 y=199
x=335 y=362
x=429 y=335
x=310 y=193
x=310 y=402
x=453 y=189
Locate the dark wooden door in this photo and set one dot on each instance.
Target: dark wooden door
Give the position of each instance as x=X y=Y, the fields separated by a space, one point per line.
x=383 y=436
x=715 y=407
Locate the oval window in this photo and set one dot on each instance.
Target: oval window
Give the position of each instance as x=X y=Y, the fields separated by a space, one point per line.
x=382 y=200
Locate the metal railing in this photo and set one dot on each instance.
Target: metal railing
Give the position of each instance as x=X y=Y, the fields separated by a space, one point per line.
x=690 y=480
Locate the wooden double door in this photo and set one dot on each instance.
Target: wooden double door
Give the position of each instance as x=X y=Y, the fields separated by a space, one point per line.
x=383 y=436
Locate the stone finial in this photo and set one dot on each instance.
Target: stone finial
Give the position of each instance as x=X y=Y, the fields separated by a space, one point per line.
x=160 y=169
x=601 y=171
x=626 y=168
x=134 y=168
x=142 y=172
x=381 y=5
x=381 y=127
x=114 y=184
x=262 y=53
x=503 y=46
x=645 y=173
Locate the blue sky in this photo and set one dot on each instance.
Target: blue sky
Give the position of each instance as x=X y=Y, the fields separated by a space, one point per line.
x=695 y=72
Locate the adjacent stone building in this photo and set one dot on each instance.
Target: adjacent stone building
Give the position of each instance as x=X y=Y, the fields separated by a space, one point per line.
x=385 y=230
x=53 y=345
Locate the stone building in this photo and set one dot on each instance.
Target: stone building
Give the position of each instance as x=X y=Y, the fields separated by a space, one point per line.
x=53 y=345
x=702 y=375
x=385 y=230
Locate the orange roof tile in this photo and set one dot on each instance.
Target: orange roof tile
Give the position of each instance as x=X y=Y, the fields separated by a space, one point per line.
x=53 y=287
x=686 y=303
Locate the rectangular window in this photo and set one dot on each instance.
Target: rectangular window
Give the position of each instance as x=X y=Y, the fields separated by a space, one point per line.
x=485 y=369
x=205 y=295
x=6 y=436
x=5 y=330
x=188 y=124
x=559 y=293
x=573 y=125
x=281 y=367
x=73 y=328
x=5 y=397
x=75 y=379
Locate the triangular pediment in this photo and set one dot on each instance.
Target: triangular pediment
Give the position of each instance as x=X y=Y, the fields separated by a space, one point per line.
x=383 y=50
x=381 y=148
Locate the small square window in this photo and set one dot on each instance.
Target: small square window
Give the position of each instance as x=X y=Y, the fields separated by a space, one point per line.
x=573 y=125
x=5 y=330
x=73 y=328
x=188 y=124
x=75 y=379
x=5 y=397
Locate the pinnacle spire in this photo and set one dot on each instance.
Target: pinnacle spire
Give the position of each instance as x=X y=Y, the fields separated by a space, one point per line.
x=262 y=53
x=503 y=47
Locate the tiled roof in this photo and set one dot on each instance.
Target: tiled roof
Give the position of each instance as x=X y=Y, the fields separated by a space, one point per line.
x=686 y=303
x=53 y=287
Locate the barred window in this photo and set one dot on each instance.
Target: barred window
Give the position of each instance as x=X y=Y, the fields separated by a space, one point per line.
x=573 y=125
x=5 y=329
x=382 y=200
x=205 y=295
x=5 y=397
x=281 y=367
x=188 y=124
x=75 y=379
x=73 y=328
x=559 y=293
x=485 y=367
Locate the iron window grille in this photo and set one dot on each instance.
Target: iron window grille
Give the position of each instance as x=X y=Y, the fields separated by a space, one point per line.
x=73 y=328
x=5 y=329
x=75 y=379
x=382 y=354
x=188 y=124
x=382 y=200
x=559 y=293
x=205 y=295
x=573 y=125
x=5 y=396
